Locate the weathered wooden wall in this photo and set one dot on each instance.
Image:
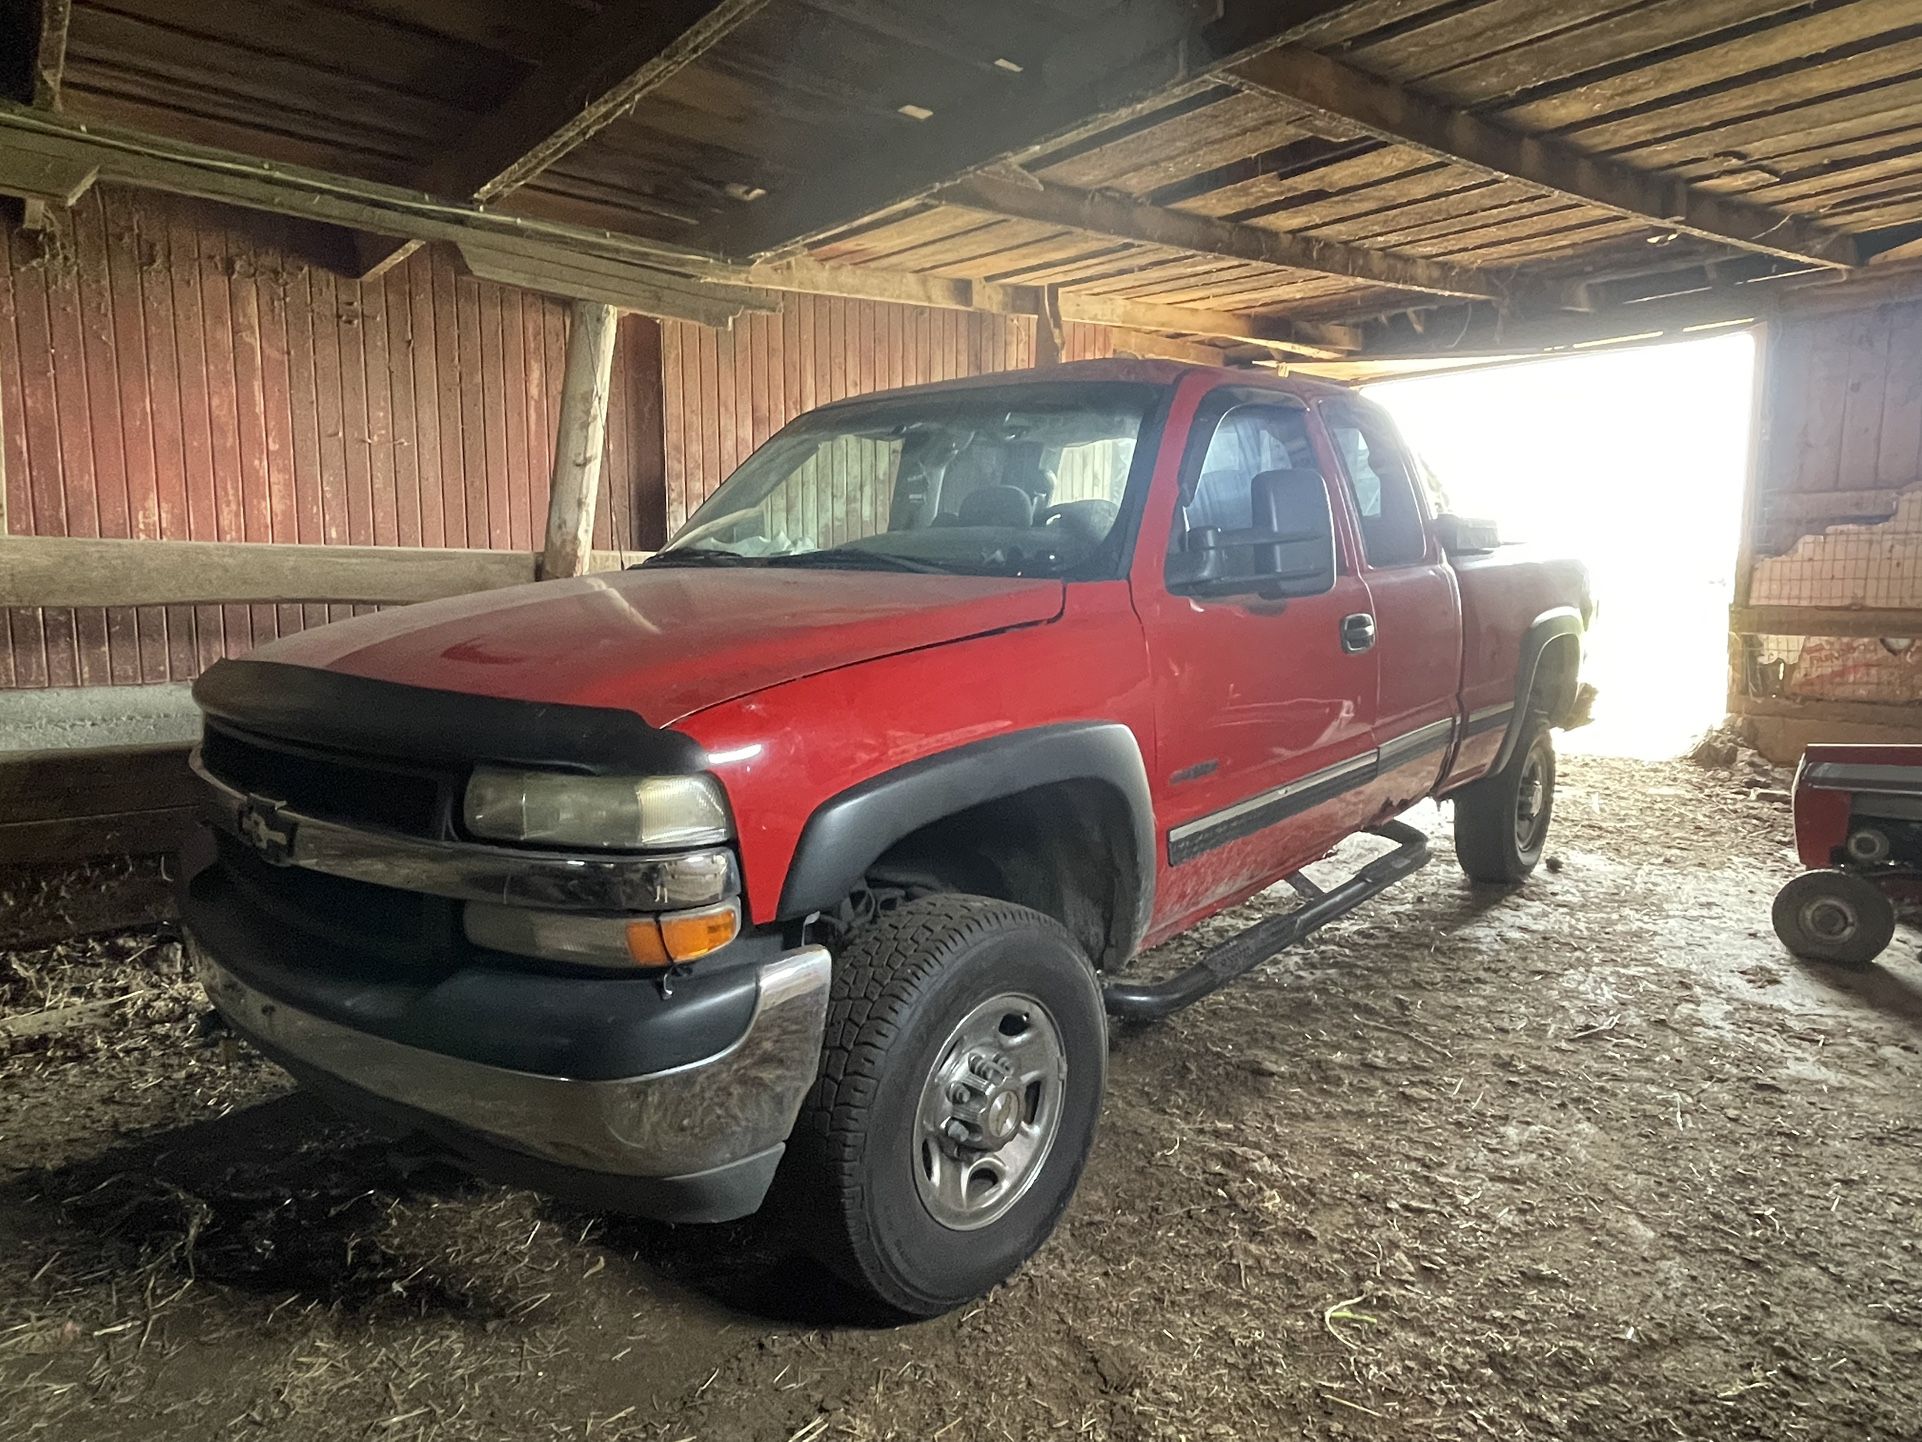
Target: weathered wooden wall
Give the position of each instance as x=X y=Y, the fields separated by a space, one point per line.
x=174 y=370
x=1831 y=592
x=171 y=370
x=725 y=393
x=1842 y=423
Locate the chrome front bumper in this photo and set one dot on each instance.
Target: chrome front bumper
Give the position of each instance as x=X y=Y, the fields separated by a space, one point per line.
x=734 y=1107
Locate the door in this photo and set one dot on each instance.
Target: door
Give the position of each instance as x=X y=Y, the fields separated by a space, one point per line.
x=1262 y=749
x=1412 y=595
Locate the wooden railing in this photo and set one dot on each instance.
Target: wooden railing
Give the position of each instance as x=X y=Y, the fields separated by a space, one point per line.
x=64 y=571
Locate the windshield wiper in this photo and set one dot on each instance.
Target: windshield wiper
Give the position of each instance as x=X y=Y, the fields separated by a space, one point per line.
x=692 y=557
x=836 y=558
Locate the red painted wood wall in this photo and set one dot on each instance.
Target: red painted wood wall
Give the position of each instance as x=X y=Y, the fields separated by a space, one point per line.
x=174 y=370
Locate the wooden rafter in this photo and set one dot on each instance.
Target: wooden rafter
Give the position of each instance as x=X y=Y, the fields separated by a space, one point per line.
x=54 y=158
x=861 y=282
x=1483 y=333
x=40 y=152
x=1101 y=213
x=1090 y=79
x=592 y=79
x=1395 y=114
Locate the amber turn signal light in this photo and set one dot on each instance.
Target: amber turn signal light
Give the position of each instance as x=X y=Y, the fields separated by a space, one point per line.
x=684 y=935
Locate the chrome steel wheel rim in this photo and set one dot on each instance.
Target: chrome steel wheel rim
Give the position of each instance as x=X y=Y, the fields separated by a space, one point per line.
x=990 y=1109
x=1530 y=801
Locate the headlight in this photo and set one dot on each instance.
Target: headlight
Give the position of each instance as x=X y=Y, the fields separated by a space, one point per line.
x=605 y=811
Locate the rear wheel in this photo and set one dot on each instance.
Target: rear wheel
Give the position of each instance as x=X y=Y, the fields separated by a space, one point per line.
x=960 y=1084
x=1501 y=821
x=1834 y=916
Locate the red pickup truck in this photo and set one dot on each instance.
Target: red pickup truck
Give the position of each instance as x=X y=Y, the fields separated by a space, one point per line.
x=819 y=843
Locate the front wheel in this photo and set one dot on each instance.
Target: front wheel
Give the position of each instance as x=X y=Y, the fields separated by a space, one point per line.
x=1501 y=821
x=960 y=1084
x=1834 y=916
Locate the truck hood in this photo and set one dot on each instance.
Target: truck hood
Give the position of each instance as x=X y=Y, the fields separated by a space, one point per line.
x=665 y=642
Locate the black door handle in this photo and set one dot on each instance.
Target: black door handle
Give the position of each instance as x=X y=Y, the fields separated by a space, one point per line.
x=1357 y=632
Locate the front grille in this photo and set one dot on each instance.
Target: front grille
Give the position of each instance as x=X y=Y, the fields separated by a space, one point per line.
x=359 y=790
x=407 y=932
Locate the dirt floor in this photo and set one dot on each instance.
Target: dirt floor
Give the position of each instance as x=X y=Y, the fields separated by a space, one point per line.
x=1593 y=1159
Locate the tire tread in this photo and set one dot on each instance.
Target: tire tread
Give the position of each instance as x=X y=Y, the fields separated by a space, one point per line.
x=878 y=976
x=1484 y=820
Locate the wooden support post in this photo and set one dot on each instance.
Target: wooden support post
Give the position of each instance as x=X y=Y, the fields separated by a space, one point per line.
x=577 y=447
x=1755 y=469
x=1050 y=335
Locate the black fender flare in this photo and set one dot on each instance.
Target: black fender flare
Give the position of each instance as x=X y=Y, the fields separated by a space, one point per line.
x=1544 y=629
x=849 y=832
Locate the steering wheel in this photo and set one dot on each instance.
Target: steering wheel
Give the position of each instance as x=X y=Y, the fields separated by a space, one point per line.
x=1088 y=520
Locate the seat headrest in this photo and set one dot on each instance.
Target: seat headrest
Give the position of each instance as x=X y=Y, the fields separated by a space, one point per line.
x=996 y=506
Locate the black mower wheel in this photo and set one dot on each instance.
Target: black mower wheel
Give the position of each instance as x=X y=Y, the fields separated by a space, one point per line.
x=1834 y=916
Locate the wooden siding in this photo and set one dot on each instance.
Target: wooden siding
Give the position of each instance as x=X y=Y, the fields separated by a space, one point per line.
x=1836 y=521
x=725 y=393
x=170 y=370
x=1844 y=402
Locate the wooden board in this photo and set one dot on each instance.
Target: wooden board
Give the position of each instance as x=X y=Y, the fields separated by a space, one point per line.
x=93 y=781
x=1823 y=621
x=65 y=805
x=76 y=571
x=130 y=833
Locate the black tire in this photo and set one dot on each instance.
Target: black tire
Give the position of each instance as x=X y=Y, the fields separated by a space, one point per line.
x=1834 y=916
x=1501 y=821
x=858 y=1162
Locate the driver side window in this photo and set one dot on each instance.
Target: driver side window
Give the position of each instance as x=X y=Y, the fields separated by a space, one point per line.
x=1248 y=440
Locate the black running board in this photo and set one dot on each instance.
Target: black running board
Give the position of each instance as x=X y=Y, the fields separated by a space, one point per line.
x=1246 y=950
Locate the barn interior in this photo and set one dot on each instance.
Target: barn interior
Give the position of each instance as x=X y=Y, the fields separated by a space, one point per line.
x=313 y=307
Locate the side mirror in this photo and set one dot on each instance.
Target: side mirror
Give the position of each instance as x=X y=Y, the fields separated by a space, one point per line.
x=1289 y=550
x=1466 y=535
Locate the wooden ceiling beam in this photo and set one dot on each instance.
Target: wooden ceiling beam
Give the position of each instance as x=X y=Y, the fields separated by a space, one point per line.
x=1482 y=333
x=1160 y=347
x=1121 y=218
x=53 y=157
x=860 y=282
x=1091 y=78
x=1337 y=92
x=592 y=79
x=39 y=150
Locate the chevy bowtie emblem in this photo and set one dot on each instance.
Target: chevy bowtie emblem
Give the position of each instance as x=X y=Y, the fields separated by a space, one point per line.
x=264 y=825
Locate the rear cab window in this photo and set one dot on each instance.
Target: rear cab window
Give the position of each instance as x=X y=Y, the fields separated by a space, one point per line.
x=1380 y=473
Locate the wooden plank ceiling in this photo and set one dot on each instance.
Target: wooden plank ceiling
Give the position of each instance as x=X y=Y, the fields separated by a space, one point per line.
x=1457 y=165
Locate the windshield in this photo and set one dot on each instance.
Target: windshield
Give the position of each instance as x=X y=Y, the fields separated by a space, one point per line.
x=1027 y=480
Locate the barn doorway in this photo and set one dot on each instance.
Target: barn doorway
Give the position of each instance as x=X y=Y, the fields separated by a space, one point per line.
x=1634 y=461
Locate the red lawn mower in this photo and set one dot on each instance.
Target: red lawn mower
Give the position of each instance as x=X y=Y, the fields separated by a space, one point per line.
x=1858 y=822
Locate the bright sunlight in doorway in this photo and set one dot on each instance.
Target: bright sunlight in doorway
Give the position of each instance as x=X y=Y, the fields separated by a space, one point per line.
x=1632 y=460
